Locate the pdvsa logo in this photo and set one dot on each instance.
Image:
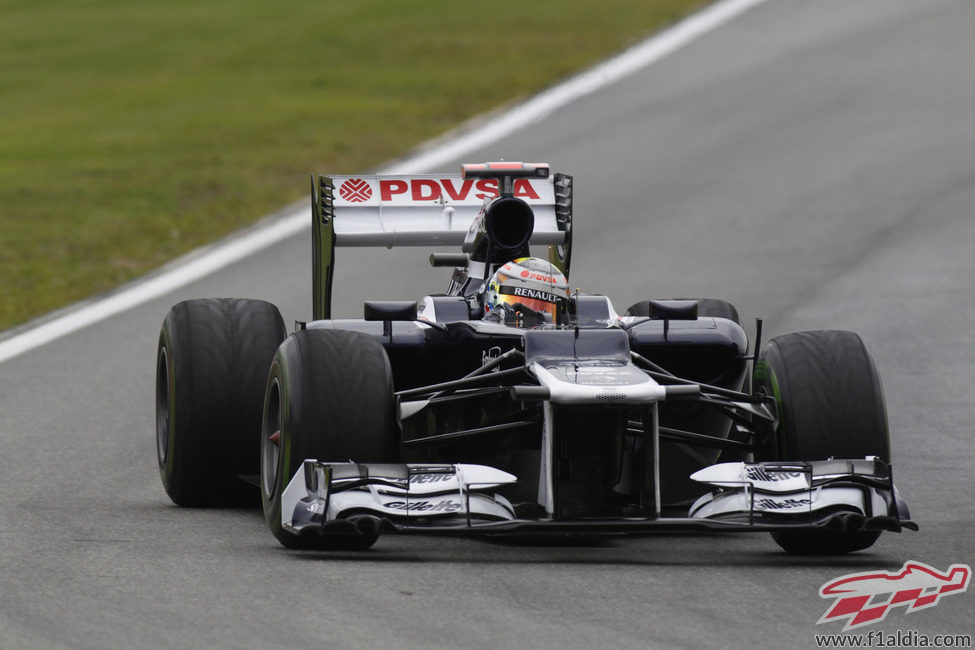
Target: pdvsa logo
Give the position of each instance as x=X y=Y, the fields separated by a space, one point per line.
x=355 y=190
x=411 y=190
x=446 y=189
x=866 y=598
x=541 y=277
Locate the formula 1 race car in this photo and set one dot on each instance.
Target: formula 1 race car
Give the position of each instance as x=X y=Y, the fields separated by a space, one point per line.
x=509 y=404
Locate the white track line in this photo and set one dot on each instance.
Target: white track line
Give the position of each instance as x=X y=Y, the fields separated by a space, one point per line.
x=200 y=265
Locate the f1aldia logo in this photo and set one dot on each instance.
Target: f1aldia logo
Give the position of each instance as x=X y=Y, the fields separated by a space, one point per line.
x=355 y=190
x=866 y=598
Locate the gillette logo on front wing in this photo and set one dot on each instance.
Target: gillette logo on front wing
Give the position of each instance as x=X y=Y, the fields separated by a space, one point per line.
x=425 y=506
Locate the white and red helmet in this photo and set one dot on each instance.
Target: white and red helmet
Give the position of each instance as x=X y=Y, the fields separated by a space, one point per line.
x=528 y=282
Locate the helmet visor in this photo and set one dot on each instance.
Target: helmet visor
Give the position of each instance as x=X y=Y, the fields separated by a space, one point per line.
x=541 y=302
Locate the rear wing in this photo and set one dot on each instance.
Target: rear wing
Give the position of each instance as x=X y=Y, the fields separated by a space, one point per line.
x=429 y=210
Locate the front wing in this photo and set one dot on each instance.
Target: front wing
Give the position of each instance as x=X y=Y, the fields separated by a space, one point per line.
x=838 y=495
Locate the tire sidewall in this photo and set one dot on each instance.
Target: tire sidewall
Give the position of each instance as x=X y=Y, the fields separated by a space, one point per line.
x=164 y=358
x=282 y=386
x=765 y=381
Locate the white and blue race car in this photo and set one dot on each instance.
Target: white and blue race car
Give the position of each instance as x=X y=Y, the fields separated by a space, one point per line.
x=509 y=405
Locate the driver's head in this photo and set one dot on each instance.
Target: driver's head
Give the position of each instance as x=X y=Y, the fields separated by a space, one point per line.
x=529 y=286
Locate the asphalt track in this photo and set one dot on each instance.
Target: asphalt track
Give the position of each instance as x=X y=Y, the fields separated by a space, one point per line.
x=814 y=163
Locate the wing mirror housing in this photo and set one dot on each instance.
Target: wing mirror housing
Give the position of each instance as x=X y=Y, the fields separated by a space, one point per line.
x=673 y=310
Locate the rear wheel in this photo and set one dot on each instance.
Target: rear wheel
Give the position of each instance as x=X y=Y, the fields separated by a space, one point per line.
x=211 y=368
x=329 y=397
x=830 y=405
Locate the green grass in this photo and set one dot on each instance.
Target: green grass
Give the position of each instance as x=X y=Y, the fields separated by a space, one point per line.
x=133 y=131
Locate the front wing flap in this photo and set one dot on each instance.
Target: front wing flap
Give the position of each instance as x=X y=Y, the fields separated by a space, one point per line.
x=852 y=494
x=417 y=495
x=846 y=495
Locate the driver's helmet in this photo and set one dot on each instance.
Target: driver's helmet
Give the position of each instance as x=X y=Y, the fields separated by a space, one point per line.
x=527 y=292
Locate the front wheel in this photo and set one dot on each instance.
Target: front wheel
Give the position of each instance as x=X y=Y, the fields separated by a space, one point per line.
x=329 y=397
x=830 y=405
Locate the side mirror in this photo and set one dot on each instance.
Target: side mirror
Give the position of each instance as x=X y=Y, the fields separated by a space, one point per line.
x=668 y=310
x=673 y=310
x=390 y=310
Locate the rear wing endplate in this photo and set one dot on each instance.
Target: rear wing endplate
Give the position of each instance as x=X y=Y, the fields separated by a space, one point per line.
x=423 y=210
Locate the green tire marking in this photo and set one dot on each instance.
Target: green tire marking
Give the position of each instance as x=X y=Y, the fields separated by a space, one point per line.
x=764 y=373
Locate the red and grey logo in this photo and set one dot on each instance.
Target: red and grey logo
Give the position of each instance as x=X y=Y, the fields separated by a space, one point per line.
x=355 y=190
x=866 y=598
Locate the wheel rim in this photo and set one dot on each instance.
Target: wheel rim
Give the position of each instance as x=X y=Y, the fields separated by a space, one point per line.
x=270 y=439
x=162 y=406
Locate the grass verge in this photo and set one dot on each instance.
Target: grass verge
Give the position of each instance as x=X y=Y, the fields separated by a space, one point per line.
x=133 y=131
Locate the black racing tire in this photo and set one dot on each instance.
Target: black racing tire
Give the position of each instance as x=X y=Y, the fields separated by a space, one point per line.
x=211 y=368
x=830 y=405
x=330 y=397
x=706 y=308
